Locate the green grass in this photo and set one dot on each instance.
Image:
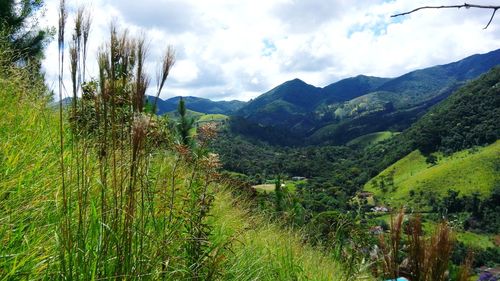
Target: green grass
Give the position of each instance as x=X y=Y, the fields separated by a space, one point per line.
x=475 y=240
x=28 y=175
x=212 y=117
x=470 y=239
x=371 y=139
x=265 y=251
x=291 y=186
x=468 y=171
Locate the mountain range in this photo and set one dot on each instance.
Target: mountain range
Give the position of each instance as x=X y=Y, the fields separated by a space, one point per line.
x=354 y=106
x=198 y=104
x=297 y=113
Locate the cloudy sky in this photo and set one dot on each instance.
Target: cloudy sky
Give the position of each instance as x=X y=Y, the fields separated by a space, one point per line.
x=238 y=49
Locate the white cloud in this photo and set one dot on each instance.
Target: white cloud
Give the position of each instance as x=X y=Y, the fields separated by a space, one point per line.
x=230 y=49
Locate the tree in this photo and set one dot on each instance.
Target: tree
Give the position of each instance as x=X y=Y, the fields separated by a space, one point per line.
x=278 y=193
x=185 y=123
x=18 y=24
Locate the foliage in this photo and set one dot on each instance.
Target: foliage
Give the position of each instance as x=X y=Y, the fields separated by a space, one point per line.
x=18 y=22
x=467 y=118
x=184 y=125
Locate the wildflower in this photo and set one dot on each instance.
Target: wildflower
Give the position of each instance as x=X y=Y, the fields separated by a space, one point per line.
x=206 y=133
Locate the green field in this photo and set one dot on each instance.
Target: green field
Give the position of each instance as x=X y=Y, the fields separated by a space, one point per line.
x=371 y=139
x=212 y=117
x=291 y=186
x=468 y=171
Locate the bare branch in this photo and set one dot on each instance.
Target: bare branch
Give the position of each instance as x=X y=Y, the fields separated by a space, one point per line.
x=492 y=16
x=465 y=5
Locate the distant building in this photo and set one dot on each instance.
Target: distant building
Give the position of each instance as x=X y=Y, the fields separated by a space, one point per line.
x=365 y=194
x=379 y=209
x=376 y=230
x=488 y=271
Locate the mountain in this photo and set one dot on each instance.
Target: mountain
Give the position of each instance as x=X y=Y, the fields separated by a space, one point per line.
x=351 y=88
x=199 y=105
x=359 y=105
x=196 y=104
x=285 y=105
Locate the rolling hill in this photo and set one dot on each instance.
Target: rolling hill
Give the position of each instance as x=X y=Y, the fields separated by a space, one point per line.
x=199 y=105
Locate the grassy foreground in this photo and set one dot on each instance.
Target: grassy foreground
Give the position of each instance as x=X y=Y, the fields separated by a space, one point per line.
x=247 y=246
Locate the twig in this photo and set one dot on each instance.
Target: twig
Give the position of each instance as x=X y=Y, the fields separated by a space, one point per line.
x=465 y=5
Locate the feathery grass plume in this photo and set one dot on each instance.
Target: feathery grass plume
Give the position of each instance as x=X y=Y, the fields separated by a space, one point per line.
x=427 y=258
x=439 y=252
x=86 y=25
x=142 y=80
x=416 y=249
x=390 y=253
x=65 y=228
x=77 y=40
x=73 y=58
x=167 y=63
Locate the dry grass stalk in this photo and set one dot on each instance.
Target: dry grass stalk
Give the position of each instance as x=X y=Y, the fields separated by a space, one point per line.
x=428 y=259
x=465 y=270
x=390 y=253
x=439 y=252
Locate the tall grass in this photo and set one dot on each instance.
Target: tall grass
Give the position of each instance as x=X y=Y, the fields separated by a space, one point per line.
x=427 y=258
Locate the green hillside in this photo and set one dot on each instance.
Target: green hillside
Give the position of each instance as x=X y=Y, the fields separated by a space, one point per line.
x=467 y=171
x=212 y=117
x=371 y=139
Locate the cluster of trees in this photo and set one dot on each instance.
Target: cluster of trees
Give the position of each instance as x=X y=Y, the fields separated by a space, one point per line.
x=481 y=214
x=20 y=30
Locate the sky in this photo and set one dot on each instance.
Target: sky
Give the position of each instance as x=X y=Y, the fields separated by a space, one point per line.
x=239 y=49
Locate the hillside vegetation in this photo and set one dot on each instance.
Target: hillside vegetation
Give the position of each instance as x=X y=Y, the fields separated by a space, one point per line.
x=413 y=177
x=371 y=139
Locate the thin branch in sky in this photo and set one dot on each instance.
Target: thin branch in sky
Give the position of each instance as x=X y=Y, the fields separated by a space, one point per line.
x=465 y=5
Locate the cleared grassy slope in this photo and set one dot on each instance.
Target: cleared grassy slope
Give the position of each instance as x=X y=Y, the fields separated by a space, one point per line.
x=466 y=171
x=370 y=139
x=212 y=117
